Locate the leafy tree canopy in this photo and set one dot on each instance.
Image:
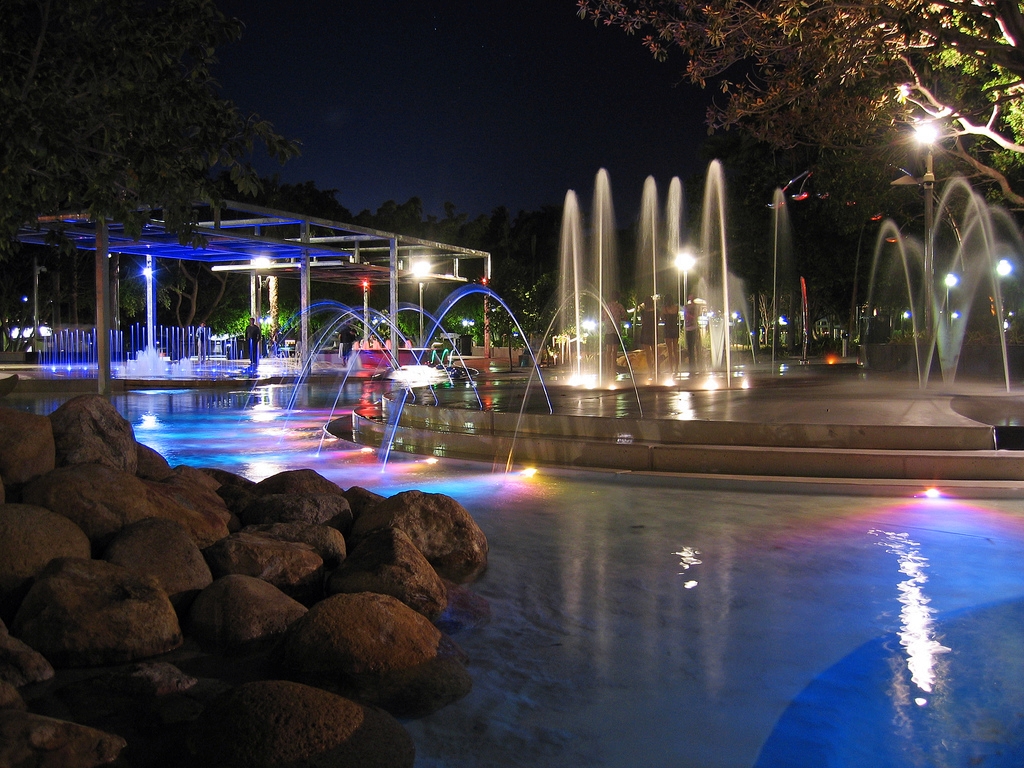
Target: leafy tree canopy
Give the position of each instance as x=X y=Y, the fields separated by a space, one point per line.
x=110 y=107
x=845 y=74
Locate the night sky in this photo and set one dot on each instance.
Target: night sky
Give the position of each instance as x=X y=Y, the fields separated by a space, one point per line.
x=482 y=104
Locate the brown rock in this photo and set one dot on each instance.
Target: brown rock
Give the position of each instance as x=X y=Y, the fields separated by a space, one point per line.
x=238 y=612
x=83 y=613
x=43 y=742
x=386 y=561
x=19 y=664
x=316 y=508
x=297 y=481
x=186 y=475
x=236 y=498
x=88 y=430
x=26 y=446
x=151 y=465
x=10 y=698
x=199 y=509
x=149 y=679
x=293 y=567
x=376 y=649
x=225 y=478
x=164 y=550
x=438 y=525
x=30 y=537
x=99 y=499
x=326 y=541
x=273 y=723
x=360 y=499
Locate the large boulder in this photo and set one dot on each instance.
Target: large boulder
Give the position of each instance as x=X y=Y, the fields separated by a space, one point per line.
x=360 y=499
x=387 y=562
x=195 y=506
x=326 y=541
x=102 y=500
x=19 y=664
x=30 y=537
x=43 y=742
x=298 y=482
x=376 y=649
x=151 y=465
x=272 y=723
x=224 y=477
x=99 y=499
x=315 y=508
x=83 y=613
x=164 y=550
x=440 y=527
x=293 y=567
x=26 y=446
x=237 y=613
x=88 y=430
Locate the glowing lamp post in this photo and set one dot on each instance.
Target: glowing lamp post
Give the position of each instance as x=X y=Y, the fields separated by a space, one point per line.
x=150 y=304
x=951 y=281
x=685 y=261
x=421 y=269
x=927 y=134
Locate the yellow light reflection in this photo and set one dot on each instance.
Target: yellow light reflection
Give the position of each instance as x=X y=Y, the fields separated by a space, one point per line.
x=431 y=460
x=529 y=472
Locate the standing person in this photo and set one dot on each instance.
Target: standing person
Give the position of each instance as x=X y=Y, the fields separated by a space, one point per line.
x=347 y=337
x=202 y=333
x=649 y=334
x=670 y=317
x=253 y=337
x=691 y=329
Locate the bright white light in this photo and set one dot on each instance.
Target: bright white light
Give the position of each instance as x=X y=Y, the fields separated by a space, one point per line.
x=431 y=460
x=418 y=375
x=952 y=280
x=927 y=132
x=148 y=421
x=421 y=268
x=261 y=263
x=783 y=320
x=955 y=315
x=529 y=472
x=147 y=271
x=685 y=261
x=906 y=315
x=933 y=493
x=589 y=326
x=588 y=381
x=1004 y=267
x=367 y=449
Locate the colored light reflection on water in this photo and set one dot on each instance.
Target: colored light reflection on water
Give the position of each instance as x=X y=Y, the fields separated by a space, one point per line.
x=611 y=645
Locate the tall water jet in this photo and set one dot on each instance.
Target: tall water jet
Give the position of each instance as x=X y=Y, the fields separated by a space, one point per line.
x=603 y=252
x=647 y=266
x=674 y=245
x=572 y=281
x=716 y=266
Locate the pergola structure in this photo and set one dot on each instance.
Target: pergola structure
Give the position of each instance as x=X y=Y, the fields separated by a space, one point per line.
x=239 y=237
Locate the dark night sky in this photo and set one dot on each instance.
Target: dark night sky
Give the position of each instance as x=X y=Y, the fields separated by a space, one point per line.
x=480 y=103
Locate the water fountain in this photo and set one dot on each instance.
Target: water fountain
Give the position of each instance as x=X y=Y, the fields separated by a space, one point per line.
x=974 y=245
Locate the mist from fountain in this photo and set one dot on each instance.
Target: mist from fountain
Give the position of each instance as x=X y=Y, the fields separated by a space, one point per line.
x=969 y=240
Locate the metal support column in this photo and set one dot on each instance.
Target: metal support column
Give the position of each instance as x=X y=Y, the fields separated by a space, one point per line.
x=393 y=296
x=102 y=308
x=304 y=294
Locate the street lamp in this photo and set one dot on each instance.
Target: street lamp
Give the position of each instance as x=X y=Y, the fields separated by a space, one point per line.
x=685 y=261
x=927 y=134
x=421 y=269
x=951 y=282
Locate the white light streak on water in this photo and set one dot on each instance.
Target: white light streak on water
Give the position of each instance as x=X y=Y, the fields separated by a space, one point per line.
x=916 y=616
x=687 y=559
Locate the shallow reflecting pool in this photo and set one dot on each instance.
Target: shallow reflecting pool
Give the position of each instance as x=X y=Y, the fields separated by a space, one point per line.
x=647 y=621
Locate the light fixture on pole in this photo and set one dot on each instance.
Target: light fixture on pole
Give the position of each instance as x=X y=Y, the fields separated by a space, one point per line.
x=951 y=281
x=927 y=134
x=685 y=261
x=421 y=269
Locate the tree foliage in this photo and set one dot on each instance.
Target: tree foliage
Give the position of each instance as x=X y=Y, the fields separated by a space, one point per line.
x=842 y=74
x=110 y=107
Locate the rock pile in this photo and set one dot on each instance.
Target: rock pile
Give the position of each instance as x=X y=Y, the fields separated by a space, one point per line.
x=157 y=616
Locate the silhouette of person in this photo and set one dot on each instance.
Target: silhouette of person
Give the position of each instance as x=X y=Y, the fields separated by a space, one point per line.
x=691 y=329
x=253 y=337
